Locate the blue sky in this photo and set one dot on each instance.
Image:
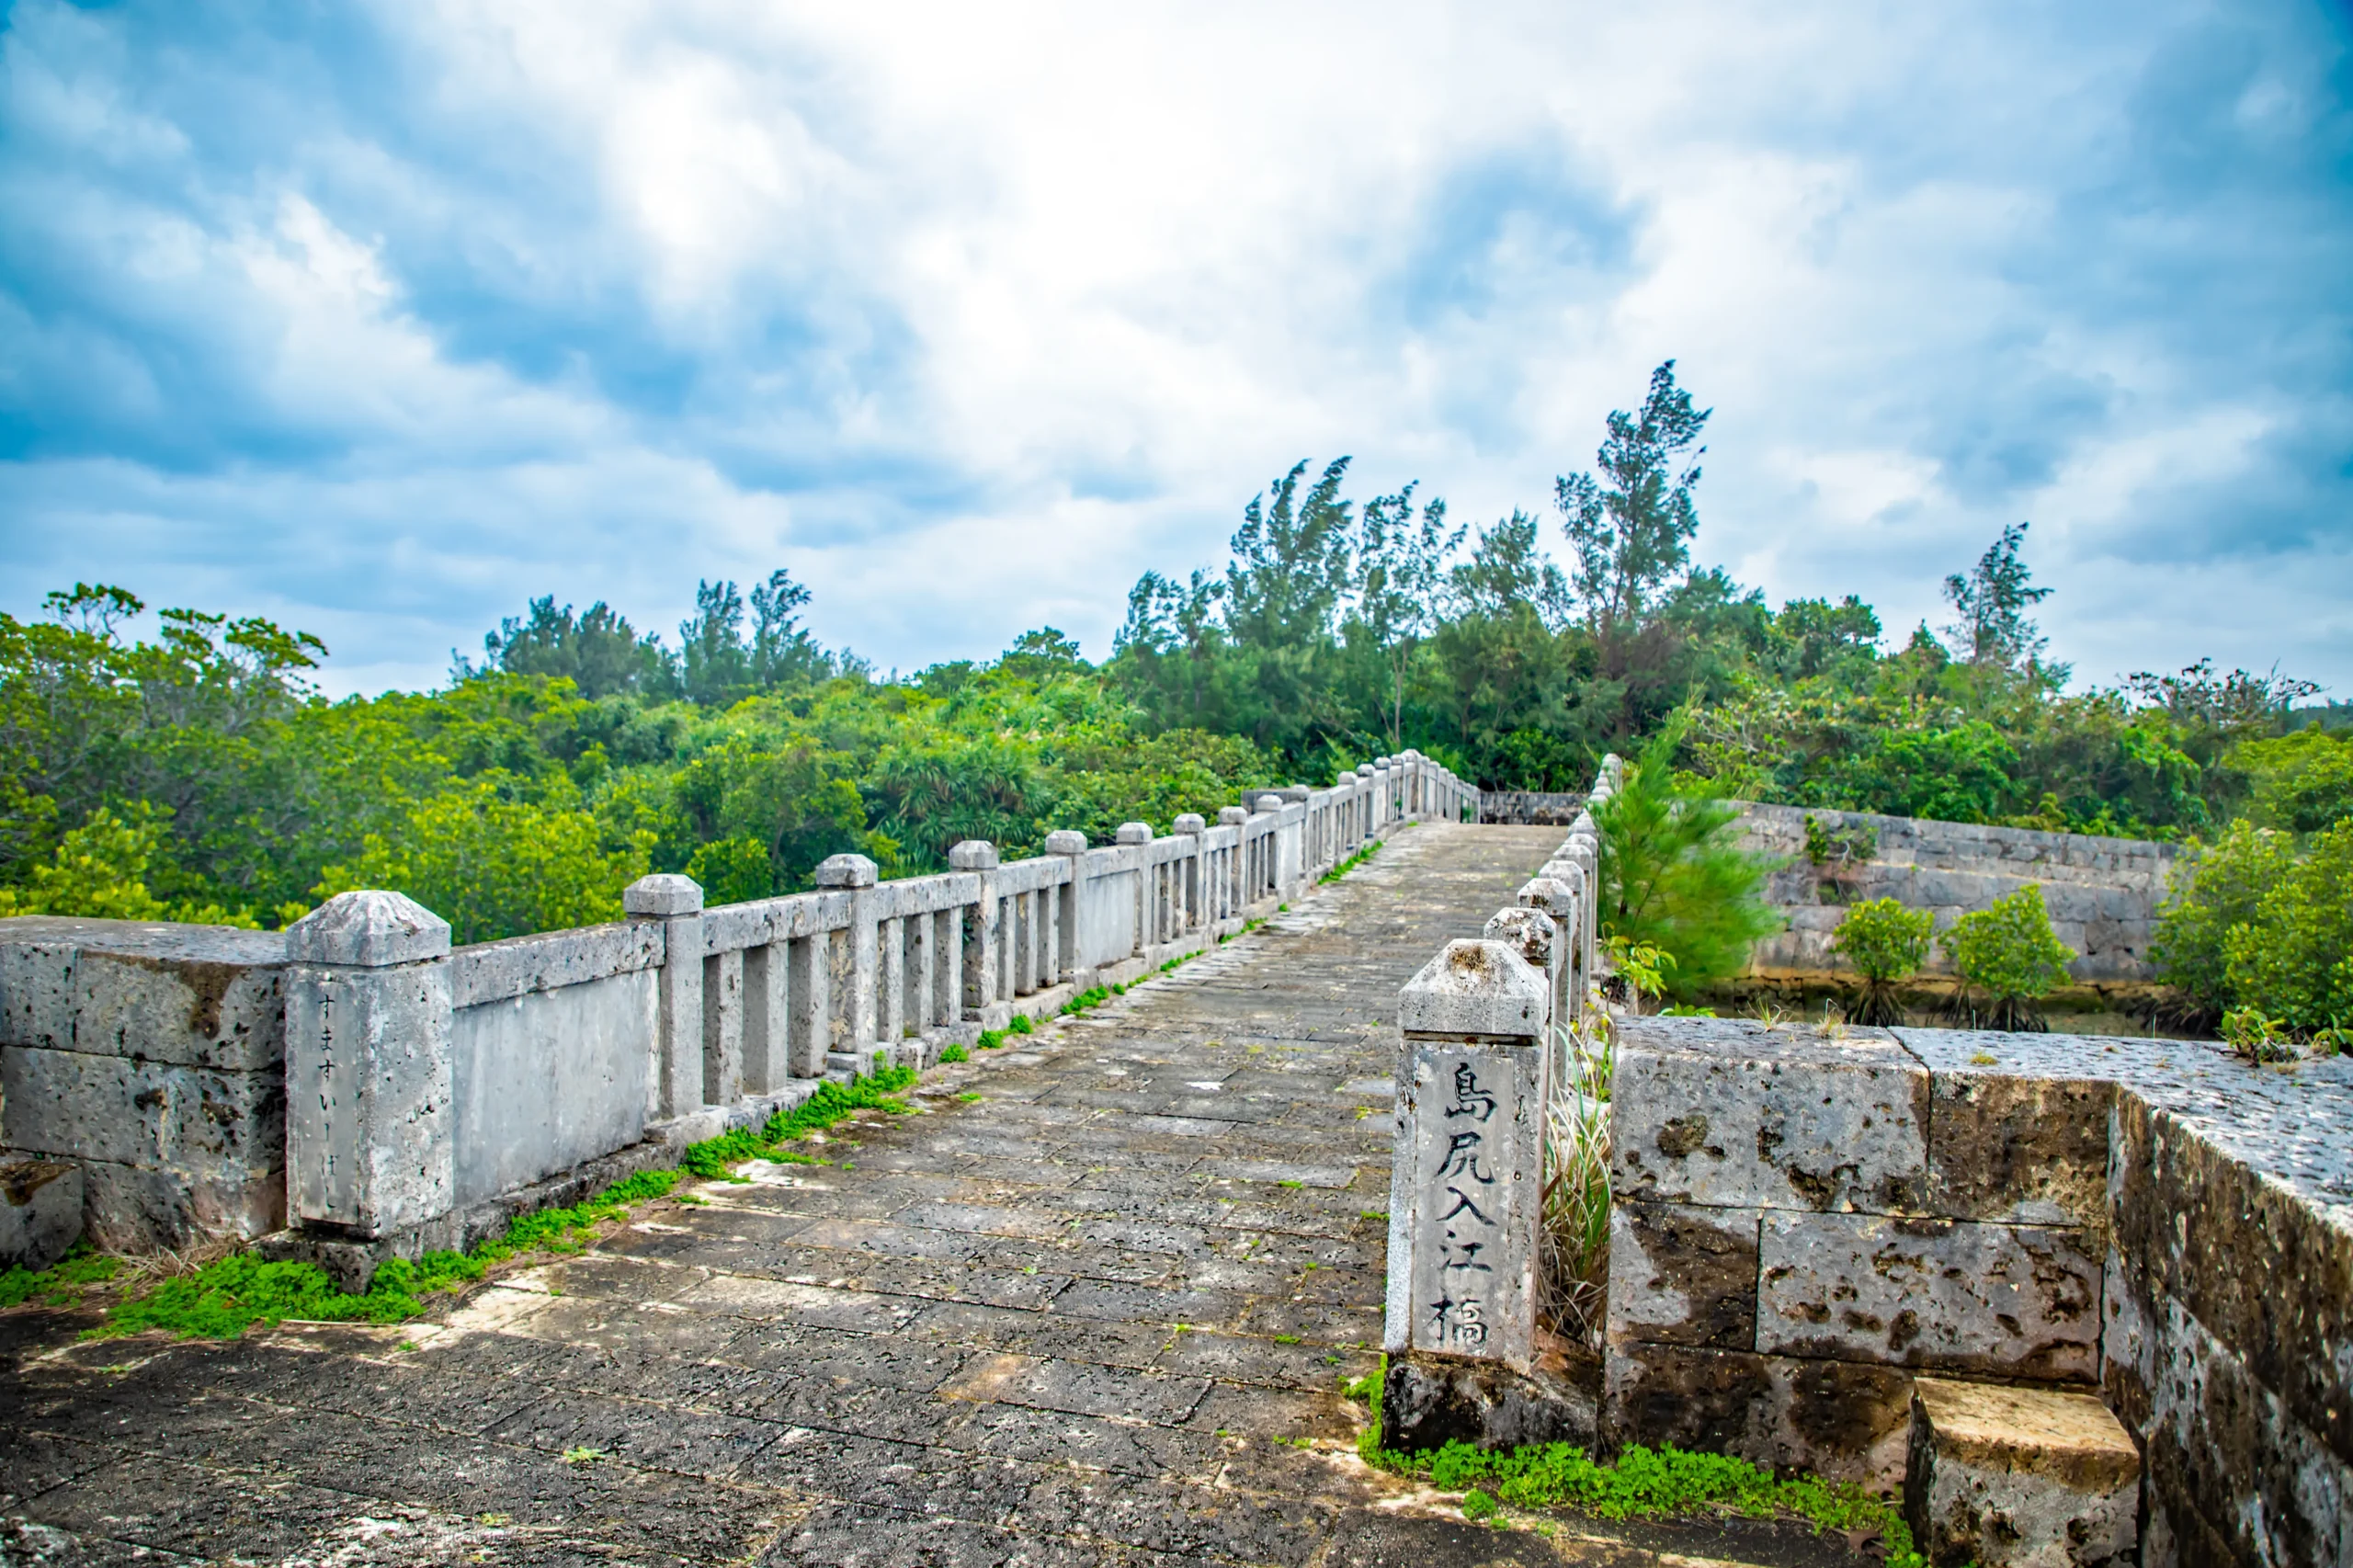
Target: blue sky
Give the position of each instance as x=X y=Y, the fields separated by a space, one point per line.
x=381 y=320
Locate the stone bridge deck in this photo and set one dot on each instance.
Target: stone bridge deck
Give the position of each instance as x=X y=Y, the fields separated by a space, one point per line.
x=1062 y=1317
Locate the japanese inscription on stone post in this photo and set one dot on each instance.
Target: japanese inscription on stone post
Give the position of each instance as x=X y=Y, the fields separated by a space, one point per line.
x=1467 y=1184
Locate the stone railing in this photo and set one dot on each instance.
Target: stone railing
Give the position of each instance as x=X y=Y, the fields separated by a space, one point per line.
x=2077 y=1298
x=359 y=1081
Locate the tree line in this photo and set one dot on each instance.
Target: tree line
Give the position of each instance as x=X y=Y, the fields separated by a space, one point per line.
x=195 y=771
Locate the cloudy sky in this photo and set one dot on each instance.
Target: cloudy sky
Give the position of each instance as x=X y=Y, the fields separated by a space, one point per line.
x=381 y=320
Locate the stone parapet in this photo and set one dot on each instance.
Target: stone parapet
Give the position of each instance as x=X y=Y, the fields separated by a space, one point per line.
x=2158 y=1221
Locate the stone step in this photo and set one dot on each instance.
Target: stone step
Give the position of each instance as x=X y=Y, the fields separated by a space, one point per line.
x=2019 y=1478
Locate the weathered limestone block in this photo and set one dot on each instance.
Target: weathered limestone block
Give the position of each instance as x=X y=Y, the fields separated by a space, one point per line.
x=40 y=1212
x=2017 y=1128
x=2017 y=1301
x=1132 y=832
x=368 y=1073
x=1728 y=1113
x=189 y=995
x=1426 y=1402
x=2019 y=1478
x=192 y=1120
x=1682 y=1275
x=1846 y=1420
x=2267 y=1269
x=2233 y=1474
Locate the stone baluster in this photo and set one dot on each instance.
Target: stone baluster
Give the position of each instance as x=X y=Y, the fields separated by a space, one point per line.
x=1060 y=958
x=983 y=945
x=856 y=875
x=676 y=1070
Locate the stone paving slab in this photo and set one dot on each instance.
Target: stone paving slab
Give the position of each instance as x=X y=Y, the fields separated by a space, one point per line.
x=1082 y=1320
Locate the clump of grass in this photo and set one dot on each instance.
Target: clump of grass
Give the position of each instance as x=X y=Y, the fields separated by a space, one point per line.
x=1574 y=1246
x=1351 y=864
x=60 y=1285
x=955 y=1053
x=1022 y=1024
x=991 y=1040
x=712 y=1158
x=1093 y=996
x=1643 y=1482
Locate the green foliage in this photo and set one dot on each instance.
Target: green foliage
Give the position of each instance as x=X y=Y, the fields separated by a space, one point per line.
x=712 y=1158
x=2303 y=782
x=1022 y=1024
x=1662 y=1483
x=1886 y=943
x=496 y=866
x=1883 y=940
x=1478 y=1506
x=2293 y=957
x=2009 y=953
x=955 y=1053
x=60 y=1285
x=1673 y=878
x=2217 y=888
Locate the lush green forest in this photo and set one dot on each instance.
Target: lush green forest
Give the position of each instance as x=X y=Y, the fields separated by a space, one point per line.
x=194 y=771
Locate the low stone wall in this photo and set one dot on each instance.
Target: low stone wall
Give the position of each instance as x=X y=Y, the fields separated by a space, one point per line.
x=436 y=1091
x=153 y=1056
x=1529 y=808
x=2102 y=893
x=1806 y=1220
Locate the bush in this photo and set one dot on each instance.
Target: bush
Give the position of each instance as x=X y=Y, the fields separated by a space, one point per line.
x=2216 y=888
x=2009 y=954
x=1886 y=943
x=1672 y=877
x=2294 y=958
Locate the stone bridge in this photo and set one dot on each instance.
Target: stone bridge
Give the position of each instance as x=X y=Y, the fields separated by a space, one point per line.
x=1081 y=1309
x=1100 y=1297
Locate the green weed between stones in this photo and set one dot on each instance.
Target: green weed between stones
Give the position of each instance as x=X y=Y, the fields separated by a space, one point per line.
x=1351 y=864
x=225 y=1298
x=60 y=1285
x=1643 y=1483
x=955 y=1053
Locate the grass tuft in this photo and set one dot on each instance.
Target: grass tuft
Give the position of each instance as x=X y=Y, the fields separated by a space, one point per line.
x=1351 y=864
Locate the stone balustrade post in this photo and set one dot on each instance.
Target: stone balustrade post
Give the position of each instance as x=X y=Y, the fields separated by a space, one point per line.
x=370 y=1110
x=1132 y=836
x=1189 y=824
x=1558 y=900
x=675 y=1075
x=858 y=876
x=1467 y=1186
x=982 y=940
x=1059 y=951
x=1231 y=894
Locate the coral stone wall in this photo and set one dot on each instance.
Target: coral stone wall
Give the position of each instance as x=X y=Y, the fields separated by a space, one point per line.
x=1807 y=1218
x=2103 y=893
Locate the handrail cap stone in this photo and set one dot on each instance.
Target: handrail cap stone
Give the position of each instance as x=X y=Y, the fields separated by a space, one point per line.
x=1531 y=931
x=845 y=871
x=1232 y=816
x=1189 y=824
x=1133 y=833
x=1474 y=987
x=973 y=855
x=367 y=929
x=664 y=892
x=1067 y=841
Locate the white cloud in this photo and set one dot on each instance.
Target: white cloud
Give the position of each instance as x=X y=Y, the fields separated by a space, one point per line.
x=970 y=314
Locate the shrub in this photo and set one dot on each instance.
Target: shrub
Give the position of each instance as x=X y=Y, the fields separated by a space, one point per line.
x=1886 y=943
x=2294 y=958
x=955 y=1053
x=2216 y=888
x=2009 y=954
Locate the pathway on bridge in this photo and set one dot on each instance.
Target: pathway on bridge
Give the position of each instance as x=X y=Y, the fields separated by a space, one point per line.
x=1060 y=1321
